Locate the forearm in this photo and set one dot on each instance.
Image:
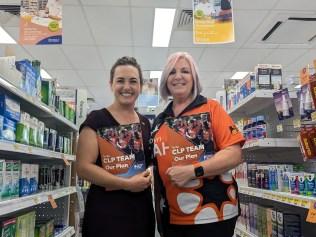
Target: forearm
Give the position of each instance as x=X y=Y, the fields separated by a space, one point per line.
x=101 y=177
x=222 y=161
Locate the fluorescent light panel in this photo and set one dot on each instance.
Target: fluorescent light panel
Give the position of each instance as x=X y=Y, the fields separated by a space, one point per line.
x=5 y=38
x=45 y=75
x=164 y=18
x=239 y=75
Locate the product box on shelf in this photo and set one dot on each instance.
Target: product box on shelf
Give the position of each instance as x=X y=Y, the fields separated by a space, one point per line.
x=16 y=169
x=25 y=179
x=34 y=169
x=9 y=108
x=25 y=224
x=8 y=227
x=1 y=126
x=48 y=91
x=9 y=72
x=283 y=104
x=276 y=76
x=7 y=181
x=29 y=75
x=2 y=174
x=9 y=128
x=263 y=76
x=23 y=129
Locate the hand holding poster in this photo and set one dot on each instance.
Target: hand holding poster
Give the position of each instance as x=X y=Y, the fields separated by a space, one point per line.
x=41 y=22
x=213 y=21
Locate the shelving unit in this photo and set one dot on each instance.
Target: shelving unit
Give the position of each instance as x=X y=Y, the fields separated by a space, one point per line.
x=240 y=231
x=13 y=205
x=257 y=101
x=30 y=154
x=16 y=149
x=281 y=147
x=68 y=232
x=270 y=143
x=286 y=198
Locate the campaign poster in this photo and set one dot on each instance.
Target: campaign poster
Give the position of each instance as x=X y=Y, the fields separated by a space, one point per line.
x=213 y=22
x=149 y=95
x=190 y=138
x=40 y=22
x=121 y=149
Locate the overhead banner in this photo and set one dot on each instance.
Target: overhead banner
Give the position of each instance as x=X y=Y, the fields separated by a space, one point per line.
x=149 y=95
x=213 y=22
x=41 y=22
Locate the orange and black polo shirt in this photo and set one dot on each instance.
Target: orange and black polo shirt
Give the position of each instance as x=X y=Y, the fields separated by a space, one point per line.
x=203 y=200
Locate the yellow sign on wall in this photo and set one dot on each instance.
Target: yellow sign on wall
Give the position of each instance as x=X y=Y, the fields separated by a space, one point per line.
x=213 y=22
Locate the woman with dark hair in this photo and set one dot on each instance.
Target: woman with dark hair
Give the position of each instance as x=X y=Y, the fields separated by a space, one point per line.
x=116 y=205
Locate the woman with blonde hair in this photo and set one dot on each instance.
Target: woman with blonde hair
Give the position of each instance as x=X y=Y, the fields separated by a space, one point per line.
x=195 y=194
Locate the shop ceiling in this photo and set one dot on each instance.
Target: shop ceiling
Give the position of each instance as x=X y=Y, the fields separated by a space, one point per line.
x=97 y=32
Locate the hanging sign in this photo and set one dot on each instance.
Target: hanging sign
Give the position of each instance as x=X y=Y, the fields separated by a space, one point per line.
x=41 y=22
x=213 y=22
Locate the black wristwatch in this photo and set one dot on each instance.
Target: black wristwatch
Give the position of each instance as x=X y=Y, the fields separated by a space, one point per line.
x=198 y=170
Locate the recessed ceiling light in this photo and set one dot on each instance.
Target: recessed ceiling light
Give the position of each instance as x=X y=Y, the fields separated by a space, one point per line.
x=5 y=38
x=45 y=75
x=239 y=75
x=163 y=23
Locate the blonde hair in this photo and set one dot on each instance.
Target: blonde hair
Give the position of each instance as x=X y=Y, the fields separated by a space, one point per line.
x=171 y=61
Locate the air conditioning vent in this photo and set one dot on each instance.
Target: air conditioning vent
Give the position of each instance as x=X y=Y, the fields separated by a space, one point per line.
x=13 y=9
x=185 y=20
x=302 y=30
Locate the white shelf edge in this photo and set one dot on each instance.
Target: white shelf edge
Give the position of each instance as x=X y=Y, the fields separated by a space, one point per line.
x=242 y=231
x=256 y=94
x=68 y=232
x=31 y=150
x=35 y=102
x=13 y=205
x=287 y=198
x=271 y=142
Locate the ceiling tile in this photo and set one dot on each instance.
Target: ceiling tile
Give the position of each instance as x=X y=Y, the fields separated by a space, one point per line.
x=284 y=56
x=151 y=58
x=110 y=25
x=105 y=2
x=246 y=59
x=215 y=59
x=208 y=78
x=70 y=2
x=83 y=57
x=111 y=54
x=142 y=23
x=254 y=4
x=296 y=5
x=78 y=33
x=51 y=56
x=181 y=38
x=67 y=78
x=194 y=52
x=97 y=78
x=154 y=3
x=301 y=62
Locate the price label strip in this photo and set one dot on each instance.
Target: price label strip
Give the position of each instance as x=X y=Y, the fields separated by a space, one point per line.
x=296 y=123
x=279 y=128
x=311 y=216
x=52 y=201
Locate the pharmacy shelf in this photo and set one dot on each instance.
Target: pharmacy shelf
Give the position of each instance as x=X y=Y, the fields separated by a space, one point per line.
x=241 y=231
x=257 y=101
x=17 y=148
x=35 y=107
x=16 y=204
x=68 y=232
x=287 y=198
x=270 y=143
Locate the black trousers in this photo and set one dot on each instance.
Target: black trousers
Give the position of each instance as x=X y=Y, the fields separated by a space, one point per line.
x=218 y=229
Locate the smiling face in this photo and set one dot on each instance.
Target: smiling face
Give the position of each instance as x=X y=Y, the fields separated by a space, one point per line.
x=180 y=80
x=126 y=85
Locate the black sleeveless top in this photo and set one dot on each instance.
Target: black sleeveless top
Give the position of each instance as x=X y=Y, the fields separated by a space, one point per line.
x=118 y=213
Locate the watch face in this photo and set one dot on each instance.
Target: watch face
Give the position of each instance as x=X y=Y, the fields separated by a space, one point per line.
x=199 y=171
